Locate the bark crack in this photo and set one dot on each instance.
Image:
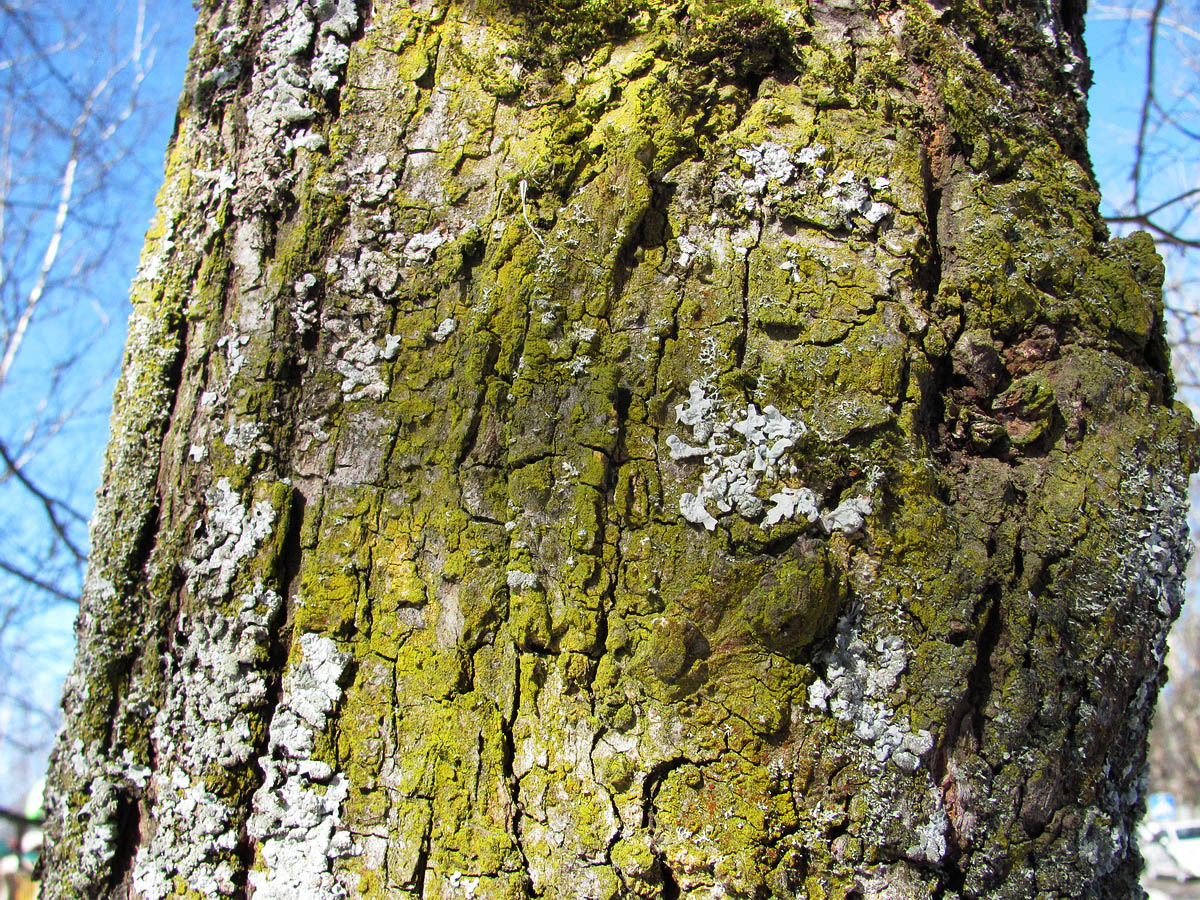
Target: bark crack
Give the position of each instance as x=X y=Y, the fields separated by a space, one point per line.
x=931 y=272
x=964 y=736
x=507 y=758
x=421 y=868
x=744 y=337
x=650 y=788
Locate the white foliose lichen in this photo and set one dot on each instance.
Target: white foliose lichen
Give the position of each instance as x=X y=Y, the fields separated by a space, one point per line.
x=299 y=52
x=234 y=345
x=373 y=180
x=108 y=782
x=445 y=328
x=848 y=517
x=850 y=195
x=377 y=256
x=1156 y=558
x=419 y=249
x=859 y=679
x=304 y=311
x=222 y=180
x=790 y=503
x=930 y=843
x=521 y=581
x=359 y=359
x=739 y=454
x=1153 y=550
x=313 y=432
x=305 y=140
x=230 y=42
x=321 y=28
x=742 y=453
x=464 y=884
x=160 y=241
x=368 y=267
x=847 y=201
x=771 y=162
x=693 y=245
x=297 y=810
x=99 y=816
x=194 y=827
x=336 y=21
x=245 y=440
x=216 y=684
x=230 y=534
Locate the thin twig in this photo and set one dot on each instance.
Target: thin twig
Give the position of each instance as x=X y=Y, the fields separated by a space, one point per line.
x=40 y=583
x=1165 y=235
x=1147 y=102
x=50 y=504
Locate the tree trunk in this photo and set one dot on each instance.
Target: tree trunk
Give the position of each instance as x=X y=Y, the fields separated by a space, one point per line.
x=587 y=449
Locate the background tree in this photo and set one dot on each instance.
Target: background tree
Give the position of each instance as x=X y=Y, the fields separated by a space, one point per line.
x=77 y=111
x=611 y=450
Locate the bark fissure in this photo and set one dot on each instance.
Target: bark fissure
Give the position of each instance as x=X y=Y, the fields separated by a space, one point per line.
x=964 y=738
x=512 y=781
x=932 y=271
x=129 y=824
x=422 y=867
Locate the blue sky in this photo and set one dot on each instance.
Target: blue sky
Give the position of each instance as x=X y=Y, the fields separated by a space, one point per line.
x=47 y=64
x=1117 y=41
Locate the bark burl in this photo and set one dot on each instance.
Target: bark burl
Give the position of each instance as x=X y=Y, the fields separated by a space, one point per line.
x=596 y=449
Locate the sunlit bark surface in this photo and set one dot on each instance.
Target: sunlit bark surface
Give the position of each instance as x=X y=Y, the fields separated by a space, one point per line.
x=599 y=450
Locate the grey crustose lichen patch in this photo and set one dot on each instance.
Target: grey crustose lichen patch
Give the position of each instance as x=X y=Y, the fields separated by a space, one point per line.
x=230 y=535
x=743 y=453
x=297 y=810
x=216 y=684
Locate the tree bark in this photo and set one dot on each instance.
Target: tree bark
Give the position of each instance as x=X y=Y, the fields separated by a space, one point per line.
x=586 y=449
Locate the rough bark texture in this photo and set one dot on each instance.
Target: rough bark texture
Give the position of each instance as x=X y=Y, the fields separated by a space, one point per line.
x=595 y=449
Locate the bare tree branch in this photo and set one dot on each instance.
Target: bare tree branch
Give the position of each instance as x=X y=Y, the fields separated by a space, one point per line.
x=37 y=582
x=1165 y=235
